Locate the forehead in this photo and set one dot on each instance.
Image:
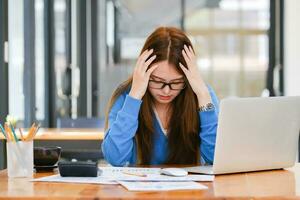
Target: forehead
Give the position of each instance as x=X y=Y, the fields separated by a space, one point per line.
x=167 y=71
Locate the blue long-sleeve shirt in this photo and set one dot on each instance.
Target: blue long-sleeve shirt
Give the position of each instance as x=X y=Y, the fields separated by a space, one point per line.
x=119 y=147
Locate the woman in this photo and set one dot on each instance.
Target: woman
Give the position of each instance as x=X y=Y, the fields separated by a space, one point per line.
x=164 y=113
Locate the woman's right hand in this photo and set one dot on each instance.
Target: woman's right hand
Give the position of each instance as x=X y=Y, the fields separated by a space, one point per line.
x=141 y=75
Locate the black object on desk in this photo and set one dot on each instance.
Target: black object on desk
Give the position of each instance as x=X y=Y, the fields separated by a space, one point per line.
x=76 y=168
x=45 y=158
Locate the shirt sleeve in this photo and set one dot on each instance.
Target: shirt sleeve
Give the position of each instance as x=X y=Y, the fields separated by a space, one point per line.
x=208 y=130
x=118 y=145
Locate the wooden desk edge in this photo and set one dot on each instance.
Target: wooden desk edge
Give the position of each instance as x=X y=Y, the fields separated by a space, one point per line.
x=66 y=134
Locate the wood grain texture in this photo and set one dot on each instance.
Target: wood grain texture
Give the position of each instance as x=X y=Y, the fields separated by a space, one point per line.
x=265 y=184
x=67 y=134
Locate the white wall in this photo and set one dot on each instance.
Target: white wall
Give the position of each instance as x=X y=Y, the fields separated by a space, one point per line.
x=292 y=47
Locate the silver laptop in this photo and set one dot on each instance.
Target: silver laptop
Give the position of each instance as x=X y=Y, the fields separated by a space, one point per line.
x=257 y=133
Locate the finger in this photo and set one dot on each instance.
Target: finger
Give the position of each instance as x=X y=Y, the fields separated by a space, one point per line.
x=192 y=51
x=187 y=51
x=140 y=58
x=185 y=70
x=187 y=60
x=149 y=61
x=144 y=53
x=151 y=69
x=146 y=56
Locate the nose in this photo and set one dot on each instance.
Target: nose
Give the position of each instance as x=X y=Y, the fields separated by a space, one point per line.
x=166 y=89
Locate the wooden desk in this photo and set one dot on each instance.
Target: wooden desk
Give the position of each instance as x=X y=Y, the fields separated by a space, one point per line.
x=67 y=138
x=274 y=184
x=67 y=134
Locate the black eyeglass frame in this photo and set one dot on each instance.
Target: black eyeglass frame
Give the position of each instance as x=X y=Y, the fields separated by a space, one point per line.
x=167 y=84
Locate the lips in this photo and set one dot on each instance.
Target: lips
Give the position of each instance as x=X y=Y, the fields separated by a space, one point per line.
x=164 y=97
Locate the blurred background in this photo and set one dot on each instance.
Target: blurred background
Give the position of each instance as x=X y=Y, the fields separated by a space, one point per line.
x=62 y=59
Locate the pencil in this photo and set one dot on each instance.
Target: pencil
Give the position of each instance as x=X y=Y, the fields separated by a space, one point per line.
x=36 y=130
x=9 y=136
x=30 y=132
x=3 y=131
x=21 y=133
x=14 y=133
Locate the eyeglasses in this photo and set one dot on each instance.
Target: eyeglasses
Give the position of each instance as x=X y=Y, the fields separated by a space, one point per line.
x=161 y=85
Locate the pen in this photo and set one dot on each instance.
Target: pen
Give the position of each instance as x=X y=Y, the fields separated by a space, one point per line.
x=14 y=133
x=3 y=131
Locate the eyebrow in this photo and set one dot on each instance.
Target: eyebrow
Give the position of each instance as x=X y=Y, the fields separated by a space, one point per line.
x=176 y=79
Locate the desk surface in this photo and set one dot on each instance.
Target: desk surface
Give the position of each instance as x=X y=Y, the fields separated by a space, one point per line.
x=276 y=183
x=67 y=134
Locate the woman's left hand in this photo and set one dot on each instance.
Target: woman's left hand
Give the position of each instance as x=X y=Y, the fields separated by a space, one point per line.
x=194 y=76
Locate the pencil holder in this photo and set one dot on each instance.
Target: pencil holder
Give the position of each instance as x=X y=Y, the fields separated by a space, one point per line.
x=19 y=159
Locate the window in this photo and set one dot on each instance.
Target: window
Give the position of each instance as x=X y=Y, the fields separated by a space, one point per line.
x=231 y=42
x=16 y=58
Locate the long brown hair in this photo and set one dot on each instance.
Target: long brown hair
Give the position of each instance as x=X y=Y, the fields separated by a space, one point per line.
x=184 y=125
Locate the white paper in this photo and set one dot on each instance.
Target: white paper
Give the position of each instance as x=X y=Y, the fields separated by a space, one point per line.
x=146 y=174
x=110 y=175
x=164 y=178
x=119 y=171
x=89 y=180
x=161 y=186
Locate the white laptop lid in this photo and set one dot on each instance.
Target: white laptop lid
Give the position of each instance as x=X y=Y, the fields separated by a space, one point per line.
x=257 y=134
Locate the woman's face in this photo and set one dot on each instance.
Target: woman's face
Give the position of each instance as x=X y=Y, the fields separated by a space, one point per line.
x=165 y=73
